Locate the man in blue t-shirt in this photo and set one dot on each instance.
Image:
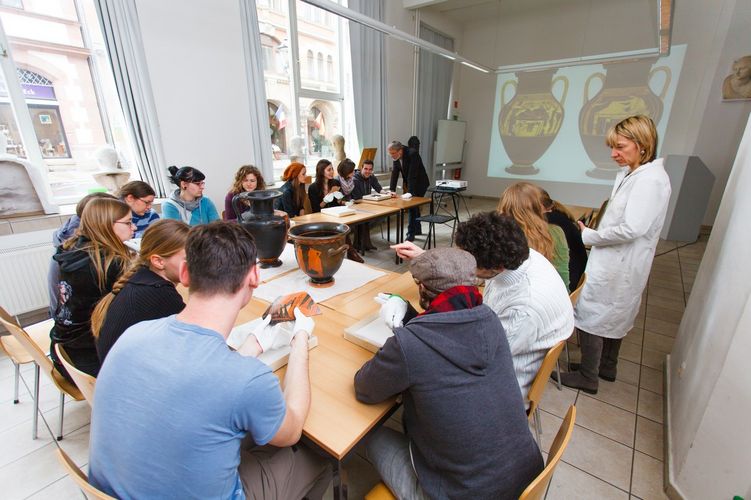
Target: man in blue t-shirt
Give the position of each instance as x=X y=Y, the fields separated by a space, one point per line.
x=179 y=414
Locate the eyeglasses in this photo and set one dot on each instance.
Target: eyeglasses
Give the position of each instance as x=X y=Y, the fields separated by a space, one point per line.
x=199 y=183
x=126 y=222
x=147 y=203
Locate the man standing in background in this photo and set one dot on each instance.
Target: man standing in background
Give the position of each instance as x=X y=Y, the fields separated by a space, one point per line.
x=408 y=162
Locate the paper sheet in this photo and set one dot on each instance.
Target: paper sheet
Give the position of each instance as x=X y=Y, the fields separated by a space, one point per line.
x=273 y=358
x=349 y=277
x=289 y=262
x=370 y=333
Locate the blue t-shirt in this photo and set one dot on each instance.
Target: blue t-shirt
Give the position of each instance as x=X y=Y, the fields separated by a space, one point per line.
x=173 y=403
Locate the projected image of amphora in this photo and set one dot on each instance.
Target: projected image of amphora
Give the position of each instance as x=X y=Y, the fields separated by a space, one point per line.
x=625 y=92
x=530 y=121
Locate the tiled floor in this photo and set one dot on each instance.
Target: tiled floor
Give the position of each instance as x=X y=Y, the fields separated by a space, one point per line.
x=616 y=450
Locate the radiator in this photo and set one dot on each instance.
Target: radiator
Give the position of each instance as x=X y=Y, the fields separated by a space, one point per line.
x=23 y=277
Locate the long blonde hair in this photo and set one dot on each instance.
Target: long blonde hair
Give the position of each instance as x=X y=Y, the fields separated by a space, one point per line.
x=98 y=227
x=523 y=202
x=164 y=238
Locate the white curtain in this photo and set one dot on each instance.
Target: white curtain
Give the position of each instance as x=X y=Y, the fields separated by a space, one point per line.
x=122 y=35
x=260 y=138
x=369 y=79
x=433 y=92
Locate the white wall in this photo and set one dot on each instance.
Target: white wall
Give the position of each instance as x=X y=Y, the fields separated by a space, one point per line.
x=195 y=58
x=709 y=395
x=700 y=124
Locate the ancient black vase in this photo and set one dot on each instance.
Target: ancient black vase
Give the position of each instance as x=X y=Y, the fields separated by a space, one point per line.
x=268 y=228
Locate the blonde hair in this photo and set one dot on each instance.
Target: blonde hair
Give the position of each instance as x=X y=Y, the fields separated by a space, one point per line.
x=164 y=238
x=639 y=129
x=98 y=227
x=523 y=202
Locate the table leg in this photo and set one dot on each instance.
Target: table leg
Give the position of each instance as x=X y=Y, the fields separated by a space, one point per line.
x=340 y=481
x=388 y=228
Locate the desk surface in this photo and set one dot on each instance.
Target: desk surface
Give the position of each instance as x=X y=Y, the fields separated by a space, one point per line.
x=364 y=212
x=399 y=203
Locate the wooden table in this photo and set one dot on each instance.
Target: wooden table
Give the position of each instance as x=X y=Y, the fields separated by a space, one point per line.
x=363 y=213
x=403 y=206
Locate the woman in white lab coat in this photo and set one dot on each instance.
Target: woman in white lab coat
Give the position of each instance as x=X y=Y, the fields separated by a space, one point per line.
x=623 y=247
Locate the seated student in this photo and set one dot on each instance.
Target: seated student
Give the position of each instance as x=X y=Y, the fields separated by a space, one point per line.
x=523 y=202
x=325 y=190
x=61 y=234
x=247 y=178
x=187 y=202
x=292 y=200
x=90 y=263
x=180 y=415
x=146 y=290
x=346 y=177
x=364 y=183
x=140 y=197
x=467 y=434
x=521 y=287
x=559 y=215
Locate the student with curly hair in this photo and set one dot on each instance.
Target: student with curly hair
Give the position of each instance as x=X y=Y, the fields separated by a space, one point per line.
x=146 y=290
x=247 y=178
x=521 y=287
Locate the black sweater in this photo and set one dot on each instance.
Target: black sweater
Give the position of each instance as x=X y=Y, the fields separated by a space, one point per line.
x=577 y=253
x=316 y=196
x=144 y=297
x=363 y=186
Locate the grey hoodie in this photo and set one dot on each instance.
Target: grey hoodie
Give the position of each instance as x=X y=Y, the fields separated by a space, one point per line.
x=463 y=410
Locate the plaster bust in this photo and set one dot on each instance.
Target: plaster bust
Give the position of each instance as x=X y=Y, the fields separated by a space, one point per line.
x=338 y=143
x=737 y=85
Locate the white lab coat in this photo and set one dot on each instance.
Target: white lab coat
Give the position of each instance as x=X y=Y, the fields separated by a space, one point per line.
x=623 y=247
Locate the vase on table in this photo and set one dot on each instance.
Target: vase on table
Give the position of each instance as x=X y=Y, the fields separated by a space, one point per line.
x=530 y=121
x=320 y=248
x=268 y=229
x=625 y=92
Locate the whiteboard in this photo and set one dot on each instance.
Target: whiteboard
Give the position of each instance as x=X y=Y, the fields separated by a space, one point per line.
x=449 y=140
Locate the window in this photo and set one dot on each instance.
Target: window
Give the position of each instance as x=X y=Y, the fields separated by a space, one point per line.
x=67 y=89
x=303 y=116
x=16 y=4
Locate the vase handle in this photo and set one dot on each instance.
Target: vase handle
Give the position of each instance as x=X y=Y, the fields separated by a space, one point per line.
x=332 y=252
x=601 y=76
x=668 y=75
x=503 y=91
x=563 y=79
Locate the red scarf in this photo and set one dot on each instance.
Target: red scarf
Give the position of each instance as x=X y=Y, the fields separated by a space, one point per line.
x=455 y=299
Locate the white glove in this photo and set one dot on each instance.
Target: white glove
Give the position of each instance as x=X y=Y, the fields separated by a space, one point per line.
x=338 y=195
x=406 y=196
x=303 y=323
x=328 y=198
x=393 y=309
x=271 y=337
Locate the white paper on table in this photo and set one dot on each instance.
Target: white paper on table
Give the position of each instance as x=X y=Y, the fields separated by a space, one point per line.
x=350 y=276
x=289 y=262
x=370 y=333
x=273 y=358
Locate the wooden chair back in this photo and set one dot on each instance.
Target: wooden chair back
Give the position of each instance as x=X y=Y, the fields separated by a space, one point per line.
x=84 y=381
x=80 y=478
x=541 y=379
x=596 y=218
x=38 y=355
x=574 y=296
x=537 y=488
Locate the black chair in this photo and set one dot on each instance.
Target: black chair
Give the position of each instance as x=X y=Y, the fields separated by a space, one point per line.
x=437 y=195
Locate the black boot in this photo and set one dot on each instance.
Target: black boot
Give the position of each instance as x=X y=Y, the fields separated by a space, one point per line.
x=609 y=359
x=586 y=377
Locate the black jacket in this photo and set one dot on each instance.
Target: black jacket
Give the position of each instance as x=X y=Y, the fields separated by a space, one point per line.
x=146 y=296
x=363 y=186
x=413 y=172
x=78 y=294
x=577 y=253
x=287 y=202
x=463 y=409
x=316 y=196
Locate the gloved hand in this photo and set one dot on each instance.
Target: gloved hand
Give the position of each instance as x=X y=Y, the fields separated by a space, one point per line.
x=328 y=198
x=406 y=196
x=393 y=309
x=338 y=195
x=303 y=323
x=271 y=337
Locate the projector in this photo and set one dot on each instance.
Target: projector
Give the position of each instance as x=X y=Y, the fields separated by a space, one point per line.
x=451 y=184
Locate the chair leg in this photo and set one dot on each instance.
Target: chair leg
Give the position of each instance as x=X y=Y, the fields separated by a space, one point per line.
x=538 y=427
x=558 y=375
x=35 y=418
x=60 y=416
x=15 y=382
